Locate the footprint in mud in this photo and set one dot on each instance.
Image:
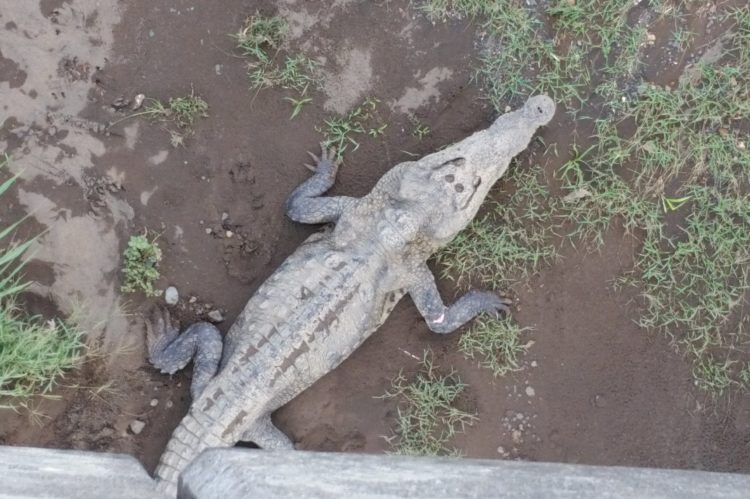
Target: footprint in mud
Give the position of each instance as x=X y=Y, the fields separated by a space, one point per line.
x=243 y=254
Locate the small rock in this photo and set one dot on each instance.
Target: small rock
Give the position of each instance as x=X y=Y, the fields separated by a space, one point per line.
x=215 y=316
x=171 y=296
x=741 y=145
x=224 y=216
x=138 y=102
x=154 y=402
x=217 y=68
x=136 y=426
x=507 y=109
x=534 y=363
x=209 y=230
x=229 y=233
x=52 y=131
x=651 y=38
x=530 y=391
x=169 y=404
x=193 y=299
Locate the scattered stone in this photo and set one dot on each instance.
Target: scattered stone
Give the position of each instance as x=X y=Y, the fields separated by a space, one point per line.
x=138 y=102
x=169 y=404
x=154 y=402
x=534 y=363
x=215 y=316
x=193 y=299
x=224 y=217
x=209 y=230
x=530 y=391
x=507 y=109
x=171 y=296
x=229 y=234
x=651 y=38
x=741 y=145
x=136 y=426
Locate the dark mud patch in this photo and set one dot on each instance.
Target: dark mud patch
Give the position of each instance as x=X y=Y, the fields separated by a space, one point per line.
x=595 y=389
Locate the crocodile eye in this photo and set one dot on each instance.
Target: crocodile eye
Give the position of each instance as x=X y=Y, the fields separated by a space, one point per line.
x=459 y=188
x=450 y=178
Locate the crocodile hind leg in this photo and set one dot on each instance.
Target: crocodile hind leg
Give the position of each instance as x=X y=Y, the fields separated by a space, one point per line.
x=170 y=351
x=442 y=319
x=306 y=204
x=266 y=436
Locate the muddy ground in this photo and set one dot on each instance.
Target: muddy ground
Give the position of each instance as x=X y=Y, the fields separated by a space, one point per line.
x=602 y=390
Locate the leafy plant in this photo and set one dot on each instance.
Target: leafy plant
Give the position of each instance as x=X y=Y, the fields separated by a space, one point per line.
x=140 y=269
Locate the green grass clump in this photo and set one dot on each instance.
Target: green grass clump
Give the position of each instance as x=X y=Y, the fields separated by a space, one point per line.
x=341 y=131
x=140 y=267
x=669 y=164
x=260 y=36
x=34 y=354
x=495 y=344
x=260 y=39
x=427 y=415
x=510 y=242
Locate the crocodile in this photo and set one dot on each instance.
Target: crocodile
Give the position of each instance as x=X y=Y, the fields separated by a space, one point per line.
x=336 y=289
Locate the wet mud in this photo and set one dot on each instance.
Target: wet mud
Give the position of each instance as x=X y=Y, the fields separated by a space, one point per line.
x=594 y=388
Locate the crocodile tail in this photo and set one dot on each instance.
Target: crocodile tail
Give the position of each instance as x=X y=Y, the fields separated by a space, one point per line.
x=189 y=439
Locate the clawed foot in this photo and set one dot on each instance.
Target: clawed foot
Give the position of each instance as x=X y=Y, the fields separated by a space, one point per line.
x=493 y=304
x=159 y=332
x=327 y=164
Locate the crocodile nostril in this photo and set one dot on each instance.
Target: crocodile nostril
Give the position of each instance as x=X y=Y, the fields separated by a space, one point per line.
x=459 y=188
x=450 y=178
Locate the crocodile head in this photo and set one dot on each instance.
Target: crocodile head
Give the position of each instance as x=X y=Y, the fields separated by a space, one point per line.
x=450 y=185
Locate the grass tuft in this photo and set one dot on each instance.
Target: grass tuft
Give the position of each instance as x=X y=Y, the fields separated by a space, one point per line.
x=427 y=414
x=34 y=354
x=260 y=39
x=495 y=344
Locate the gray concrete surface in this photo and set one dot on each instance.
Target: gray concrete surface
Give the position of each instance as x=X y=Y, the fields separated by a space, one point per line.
x=27 y=472
x=240 y=473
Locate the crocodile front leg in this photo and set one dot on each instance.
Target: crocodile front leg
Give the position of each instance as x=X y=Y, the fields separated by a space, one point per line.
x=170 y=351
x=305 y=204
x=442 y=319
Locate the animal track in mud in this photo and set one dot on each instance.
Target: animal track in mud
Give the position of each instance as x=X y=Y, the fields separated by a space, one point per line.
x=72 y=69
x=97 y=189
x=242 y=254
x=242 y=172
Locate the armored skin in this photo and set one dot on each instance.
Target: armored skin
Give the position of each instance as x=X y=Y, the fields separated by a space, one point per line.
x=337 y=288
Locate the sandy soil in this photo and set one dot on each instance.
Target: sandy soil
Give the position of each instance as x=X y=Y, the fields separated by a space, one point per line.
x=602 y=390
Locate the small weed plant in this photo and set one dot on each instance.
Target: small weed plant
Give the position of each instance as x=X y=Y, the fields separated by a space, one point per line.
x=181 y=112
x=342 y=132
x=260 y=39
x=141 y=265
x=428 y=417
x=34 y=354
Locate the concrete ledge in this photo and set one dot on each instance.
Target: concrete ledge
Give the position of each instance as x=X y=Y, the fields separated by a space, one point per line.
x=240 y=473
x=40 y=473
